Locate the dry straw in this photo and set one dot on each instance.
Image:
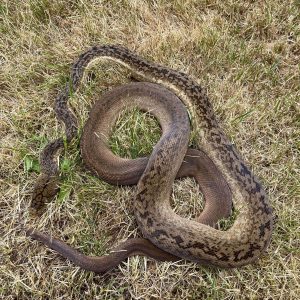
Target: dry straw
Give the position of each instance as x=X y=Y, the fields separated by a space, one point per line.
x=245 y=53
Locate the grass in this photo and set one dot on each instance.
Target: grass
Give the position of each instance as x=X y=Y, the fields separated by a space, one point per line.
x=247 y=56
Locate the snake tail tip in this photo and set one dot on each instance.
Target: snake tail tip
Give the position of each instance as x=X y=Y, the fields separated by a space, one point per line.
x=29 y=232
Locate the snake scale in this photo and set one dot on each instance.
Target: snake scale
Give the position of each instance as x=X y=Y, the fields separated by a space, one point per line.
x=176 y=236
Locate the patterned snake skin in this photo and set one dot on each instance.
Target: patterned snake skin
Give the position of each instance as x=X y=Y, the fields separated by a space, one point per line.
x=250 y=234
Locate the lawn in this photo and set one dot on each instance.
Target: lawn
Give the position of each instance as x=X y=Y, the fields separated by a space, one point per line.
x=244 y=53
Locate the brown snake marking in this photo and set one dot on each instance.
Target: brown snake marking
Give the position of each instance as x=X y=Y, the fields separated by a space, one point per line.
x=170 y=112
x=249 y=236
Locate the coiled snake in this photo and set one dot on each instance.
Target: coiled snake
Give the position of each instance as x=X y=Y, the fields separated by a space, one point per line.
x=250 y=234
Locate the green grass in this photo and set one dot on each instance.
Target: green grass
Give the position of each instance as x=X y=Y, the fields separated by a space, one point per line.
x=135 y=134
x=246 y=54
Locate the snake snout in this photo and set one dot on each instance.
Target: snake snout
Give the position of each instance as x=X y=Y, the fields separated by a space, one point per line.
x=44 y=191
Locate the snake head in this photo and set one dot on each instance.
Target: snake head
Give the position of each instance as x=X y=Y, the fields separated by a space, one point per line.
x=44 y=191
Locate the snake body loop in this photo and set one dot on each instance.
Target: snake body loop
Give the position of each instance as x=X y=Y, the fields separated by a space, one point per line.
x=249 y=236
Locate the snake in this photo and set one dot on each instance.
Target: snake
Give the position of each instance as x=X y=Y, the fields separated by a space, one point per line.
x=163 y=230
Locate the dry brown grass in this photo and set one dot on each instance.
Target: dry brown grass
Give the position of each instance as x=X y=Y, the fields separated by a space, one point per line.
x=247 y=55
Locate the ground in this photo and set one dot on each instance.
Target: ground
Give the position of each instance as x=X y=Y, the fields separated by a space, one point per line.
x=245 y=53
